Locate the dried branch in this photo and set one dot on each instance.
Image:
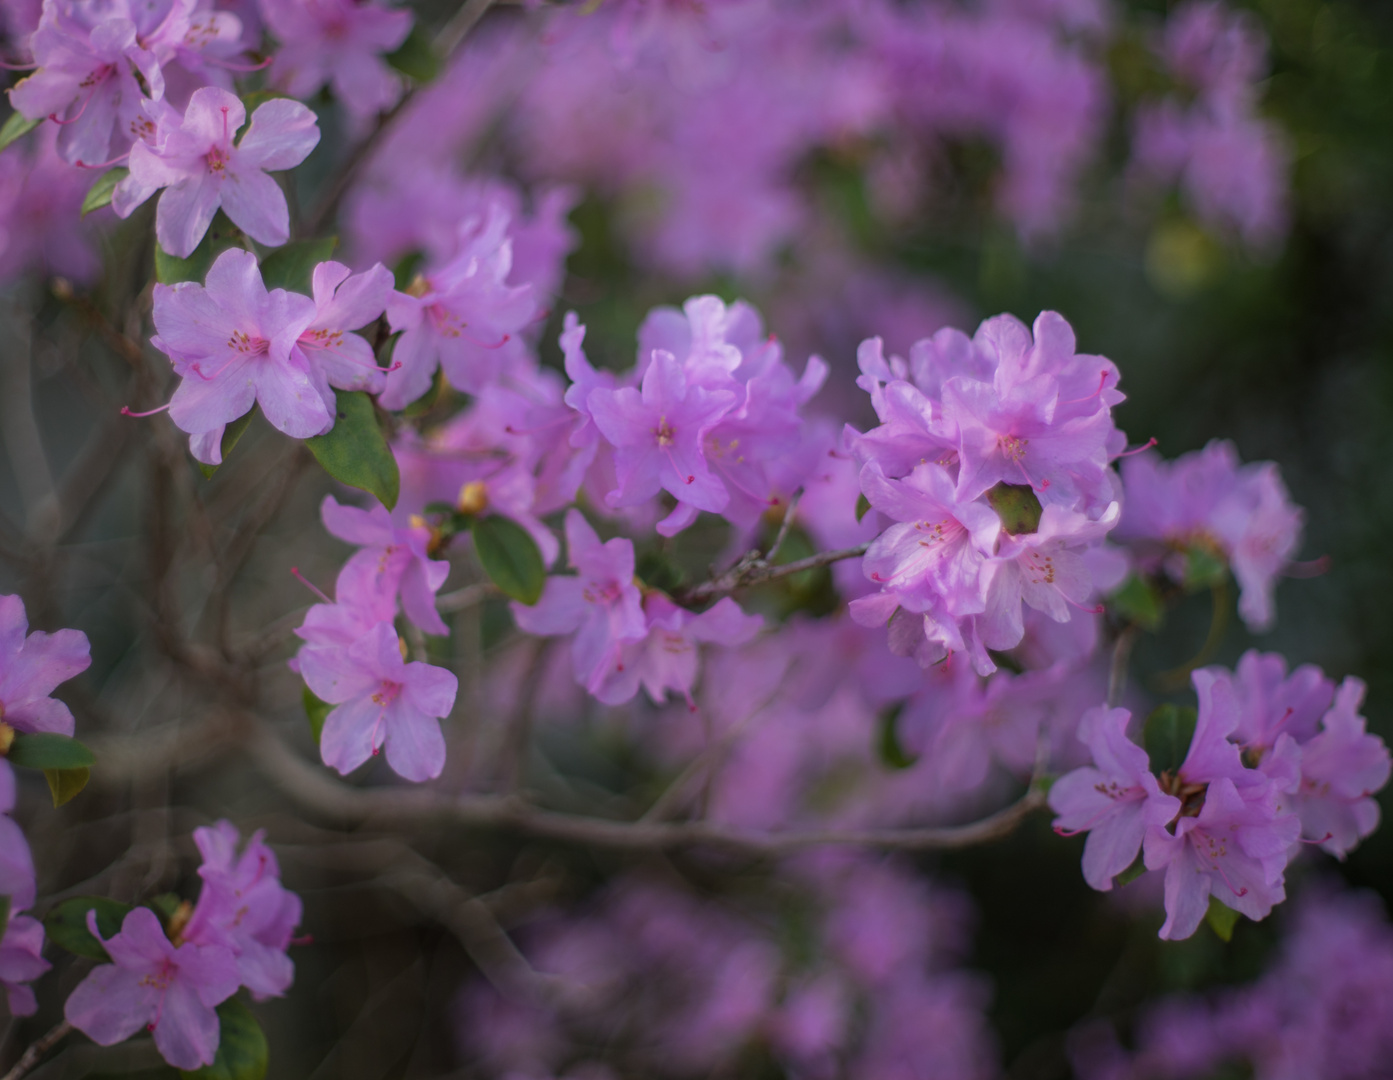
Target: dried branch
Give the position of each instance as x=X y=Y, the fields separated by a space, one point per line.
x=398 y=808
x=754 y=569
x=38 y=1049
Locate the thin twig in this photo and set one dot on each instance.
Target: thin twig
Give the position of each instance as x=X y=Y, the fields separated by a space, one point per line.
x=784 y=526
x=746 y=573
x=36 y=1050
x=467 y=597
x=1117 y=673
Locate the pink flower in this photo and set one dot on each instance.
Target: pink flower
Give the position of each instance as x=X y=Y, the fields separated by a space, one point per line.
x=382 y=701
x=244 y=907
x=234 y=345
x=393 y=562
x=21 y=962
x=193 y=156
x=1115 y=800
x=339 y=42
x=32 y=667
x=601 y=605
x=343 y=302
x=90 y=74
x=1340 y=769
x=462 y=316
x=16 y=860
x=153 y=983
x=659 y=434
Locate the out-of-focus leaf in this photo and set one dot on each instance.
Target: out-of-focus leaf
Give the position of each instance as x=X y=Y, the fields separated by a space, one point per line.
x=48 y=750
x=416 y=58
x=510 y=557
x=316 y=711
x=230 y=435
x=66 y=784
x=99 y=194
x=221 y=235
x=242 y=1049
x=292 y=265
x=863 y=506
x=66 y=924
x=1221 y=919
x=887 y=741
x=355 y=452
x=16 y=127
x=1167 y=735
x=1138 y=602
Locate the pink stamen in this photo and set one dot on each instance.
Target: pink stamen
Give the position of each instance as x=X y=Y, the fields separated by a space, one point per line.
x=1096 y=610
x=1323 y=839
x=484 y=344
x=307 y=583
x=1236 y=892
x=1102 y=382
x=126 y=410
x=105 y=164
x=1144 y=446
x=82 y=109
x=305 y=939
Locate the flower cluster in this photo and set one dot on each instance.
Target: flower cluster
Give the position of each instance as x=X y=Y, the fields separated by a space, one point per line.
x=1323 y=1008
x=1210 y=136
x=992 y=462
x=1183 y=516
x=671 y=982
x=1271 y=758
x=169 y=976
x=353 y=659
x=236 y=345
x=31 y=667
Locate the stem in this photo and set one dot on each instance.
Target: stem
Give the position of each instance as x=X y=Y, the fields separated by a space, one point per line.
x=754 y=573
x=1117 y=674
x=36 y=1050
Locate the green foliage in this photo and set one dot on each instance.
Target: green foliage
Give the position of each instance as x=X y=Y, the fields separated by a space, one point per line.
x=510 y=557
x=887 y=739
x=1018 y=507
x=316 y=712
x=355 y=452
x=1205 y=568
x=1221 y=919
x=1167 y=736
x=100 y=193
x=1136 y=870
x=1138 y=602
x=221 y=235
x=66 y=784
x=242 y=1050
x=230 y=437
x=292 y=265
x=47 y=750
x=416 y=58
x=863 y=506
x=16 y=127
x=66 y=924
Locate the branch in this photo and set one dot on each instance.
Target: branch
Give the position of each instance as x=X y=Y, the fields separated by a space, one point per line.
x=36 y=1050
x=755 y=570
x=412 y=808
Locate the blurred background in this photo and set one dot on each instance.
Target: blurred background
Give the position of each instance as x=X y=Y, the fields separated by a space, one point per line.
x=1201 y=190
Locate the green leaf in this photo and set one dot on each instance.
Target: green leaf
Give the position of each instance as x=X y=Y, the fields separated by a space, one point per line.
x=316 y=711
x=1167 y=736
x=416 y=58
x=292 y=265
x=1221 y=919
x=66 y=784
x=221 y=235
x=1138 y=602
x=66 y=924
x=863 y=506
x=99 y=194
x=355 y=452
x=1018 y=507
x=165 y=905
x=510 y=557
x=45 y=750
x=16 y=127
x=887 y=740
x=4 y=914
x=230 y=436
x=1204 y=568
x=242 y=1049
x=1136 y=870
x=405 y=270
